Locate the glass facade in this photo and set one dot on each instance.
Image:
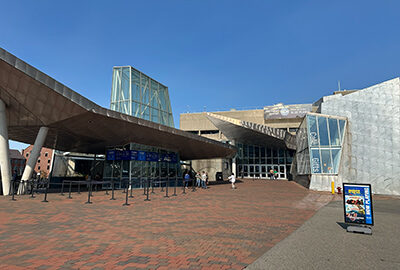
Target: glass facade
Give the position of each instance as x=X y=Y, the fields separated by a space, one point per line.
x=256 y=161
x=138 y=162
x=325 y=139
x=136 y=94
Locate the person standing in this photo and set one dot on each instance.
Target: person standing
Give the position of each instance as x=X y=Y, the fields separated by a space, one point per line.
x=187 y=178
x=232 y=179
x=198 y=179
x=203 y=180
x=271 y=174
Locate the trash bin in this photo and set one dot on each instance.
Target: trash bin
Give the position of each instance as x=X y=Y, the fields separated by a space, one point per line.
x=218 y=176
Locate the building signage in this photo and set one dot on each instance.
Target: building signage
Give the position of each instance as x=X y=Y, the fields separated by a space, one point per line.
x=110 y=154
x=357 y=203
x=280 y=111
x=141 y=156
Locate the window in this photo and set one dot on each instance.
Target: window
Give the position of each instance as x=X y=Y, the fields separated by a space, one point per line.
x=27 y=154
x=48 y=167
x=48 y=161
x=46 y=154
x=38 y=161
x=38 y=168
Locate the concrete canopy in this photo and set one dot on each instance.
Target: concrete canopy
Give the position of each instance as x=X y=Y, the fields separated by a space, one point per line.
x=77 y=124
x=252 y=133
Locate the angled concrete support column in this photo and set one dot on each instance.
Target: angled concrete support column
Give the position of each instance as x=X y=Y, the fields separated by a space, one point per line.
x=33 y=157
x=5 y=165
x=234 y=160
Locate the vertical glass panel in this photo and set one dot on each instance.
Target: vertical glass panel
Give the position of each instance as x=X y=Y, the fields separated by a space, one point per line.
x=154 y=116
x=251 y=151
x=315 y=160
x=342 y=131
x=334 y=132
x=268 y=153
x=245 y=151
x=336 y=159
x=146 y=113
x=135 y=85
x=154 y=94
x=124 y=95
x=262 y=152
x=312 y=130
x=274 y=153
x=326 y=161
x=323 y=132
x=256 y=151
x=145 y=90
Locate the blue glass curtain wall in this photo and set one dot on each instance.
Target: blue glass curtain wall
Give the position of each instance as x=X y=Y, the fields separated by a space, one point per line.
x=325 y=139
x=136 y=94
x=138 y=162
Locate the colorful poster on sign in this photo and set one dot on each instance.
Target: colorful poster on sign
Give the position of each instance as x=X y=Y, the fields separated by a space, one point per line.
x=357 y=203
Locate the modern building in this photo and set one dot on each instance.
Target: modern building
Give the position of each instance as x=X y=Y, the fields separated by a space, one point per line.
x=17 y=162
x=265 y=138
x=36 y=109
x=44 y=162
x=350 y=136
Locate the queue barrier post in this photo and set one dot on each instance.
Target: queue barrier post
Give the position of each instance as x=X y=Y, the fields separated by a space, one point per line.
x=144 y=186
x=69 y=191
x=79 y=187
x=112 y=190
x=89 y=192
x=45 y=192
x=32 y=186
x=193 y=186
x=12 y=190
x=152 y=187
x=183 y=185
x=176 y=183
x=148 y=190
x=126 y=195
x=62 y=188
x=166 y=187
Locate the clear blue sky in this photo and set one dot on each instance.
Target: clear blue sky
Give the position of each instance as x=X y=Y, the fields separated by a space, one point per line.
x=211 y=54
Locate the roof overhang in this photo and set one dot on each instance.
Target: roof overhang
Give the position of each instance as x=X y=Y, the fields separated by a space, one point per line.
x=34 y=99
x=252 y=133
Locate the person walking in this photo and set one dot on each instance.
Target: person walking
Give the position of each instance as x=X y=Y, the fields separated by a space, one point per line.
x=232 y=179
x=203 y=180
x=198 y=179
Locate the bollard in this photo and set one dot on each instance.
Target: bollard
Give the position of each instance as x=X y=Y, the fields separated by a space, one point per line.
x=333 y=186
x=62 y=188
x=183 y=184
x=45 y=193
x=126 y=197
x=89 y=195
x=69 y=191
x=112 y=190
x=79 y=187
x=162 y=187
x=12 y=190
x=176 y=183
x=144 y=186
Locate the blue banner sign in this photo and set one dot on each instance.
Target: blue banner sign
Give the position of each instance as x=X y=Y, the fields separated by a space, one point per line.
x=110 y=154
x=357 y=201
x=141 y=156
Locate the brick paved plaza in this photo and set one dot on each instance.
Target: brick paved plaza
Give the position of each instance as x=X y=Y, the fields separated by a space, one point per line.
x=218 y=228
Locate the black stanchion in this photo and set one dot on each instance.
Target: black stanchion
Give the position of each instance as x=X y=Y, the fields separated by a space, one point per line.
x=45 y=192
x=112 y=190
x=32 y=186
x=193 y=186
x=12 y=190
x=79 y=187
x=183 y=184
x=62 y=188
x=161 y=184
x=148 y=190
x=69 y=191
x=89 y=193
x=107 y=188
x=144 y=186
x=166 y=188
x=152 y=187
x=126 y=197
x=176 y=183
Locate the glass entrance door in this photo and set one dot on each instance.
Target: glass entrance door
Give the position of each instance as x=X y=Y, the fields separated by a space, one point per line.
x=282 y=172
x=256 y=171
x=264 y=171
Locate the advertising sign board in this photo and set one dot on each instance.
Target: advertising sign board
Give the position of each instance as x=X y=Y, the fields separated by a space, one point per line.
x=280 y=111
x=357 y=203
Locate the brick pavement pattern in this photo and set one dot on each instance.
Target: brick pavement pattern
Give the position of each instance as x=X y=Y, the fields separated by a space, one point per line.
x=217 y=228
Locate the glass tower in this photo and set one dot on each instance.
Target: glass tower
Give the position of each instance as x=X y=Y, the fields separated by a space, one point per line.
x=137 y=94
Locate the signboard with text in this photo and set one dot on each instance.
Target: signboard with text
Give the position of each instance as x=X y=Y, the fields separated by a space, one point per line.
x=357 y=202
x=119 y=155
x=280 y=111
